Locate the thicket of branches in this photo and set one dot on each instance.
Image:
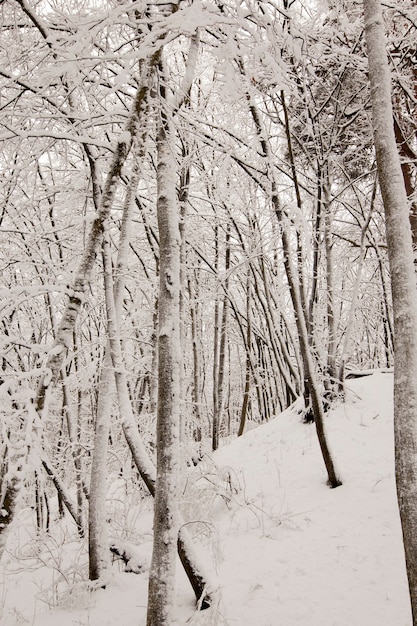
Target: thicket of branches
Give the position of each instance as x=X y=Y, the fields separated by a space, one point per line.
x=284 y=283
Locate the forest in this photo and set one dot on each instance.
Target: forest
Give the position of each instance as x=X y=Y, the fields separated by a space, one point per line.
x=208 y=217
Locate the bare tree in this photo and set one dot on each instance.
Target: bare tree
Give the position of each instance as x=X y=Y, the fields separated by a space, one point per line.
x=166 y=521
x=403 y=286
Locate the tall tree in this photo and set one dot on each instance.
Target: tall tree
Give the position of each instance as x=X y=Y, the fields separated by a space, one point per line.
x=166 y=521
x=403 y=286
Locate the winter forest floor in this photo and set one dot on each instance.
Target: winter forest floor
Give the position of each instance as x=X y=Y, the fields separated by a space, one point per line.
x=286 y=549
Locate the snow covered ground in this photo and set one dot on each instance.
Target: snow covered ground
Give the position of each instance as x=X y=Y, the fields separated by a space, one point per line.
x=286 y=549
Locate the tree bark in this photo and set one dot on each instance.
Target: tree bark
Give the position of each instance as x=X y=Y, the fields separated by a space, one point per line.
x=246 y=390
x=404 y=293
x=216 y=408
x=9 y=497
x=219 y=353
x=407 y=155
x=98 y=549
x=161 y=593
x=99 y=558
x=331 y=374
x=196 y=389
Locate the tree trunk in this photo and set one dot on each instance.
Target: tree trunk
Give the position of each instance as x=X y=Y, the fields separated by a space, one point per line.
x=99 y=556
x=299 y=311
x=98 y=548
x=246 y=391
x=72 y=419
x=219 y=358
x=407 y=155
x=9 y=496
x=404 y=293
x=199 y=579
x=196 y=389
x=64 y=334
x=166 y=521
x=62 y=492
x=216 y=408
x=355 y=293
x=331 y=374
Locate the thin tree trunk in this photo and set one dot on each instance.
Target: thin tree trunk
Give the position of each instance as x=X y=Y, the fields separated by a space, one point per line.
x=330 y=380
x=299 y=312
x=200 y=580
x=62 y=491
x=10 y=494
x=403 y=286
x=246 y=390
x=99 y=556
x=98 y=546
x=223 y=335
x=355 y=294
x=407 y=155
x=300 y=254
x=279 y=348
x=196 y=390
x=386 y=315
x=63 y=339
x=316 y=250
x=184 y=183
x=216 y=407
x=72 y=427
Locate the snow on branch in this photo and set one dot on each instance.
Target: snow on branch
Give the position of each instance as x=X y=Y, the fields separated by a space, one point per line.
x=130 y=555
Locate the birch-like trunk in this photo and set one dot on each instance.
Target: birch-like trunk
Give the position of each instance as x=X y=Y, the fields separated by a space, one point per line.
x=98 y=545
x=99 y=556
x=161 y=593
x=76 y=293
x=404 y=293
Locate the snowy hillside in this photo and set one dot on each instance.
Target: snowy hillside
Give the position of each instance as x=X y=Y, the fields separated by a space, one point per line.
x=287 y=549
x=319 y=556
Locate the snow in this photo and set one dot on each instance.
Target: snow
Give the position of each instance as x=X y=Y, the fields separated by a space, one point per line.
x=287 y=549
x=129 y=553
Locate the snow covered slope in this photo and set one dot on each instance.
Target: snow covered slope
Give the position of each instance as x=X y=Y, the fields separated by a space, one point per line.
x=301 y=553
x=287 y=549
